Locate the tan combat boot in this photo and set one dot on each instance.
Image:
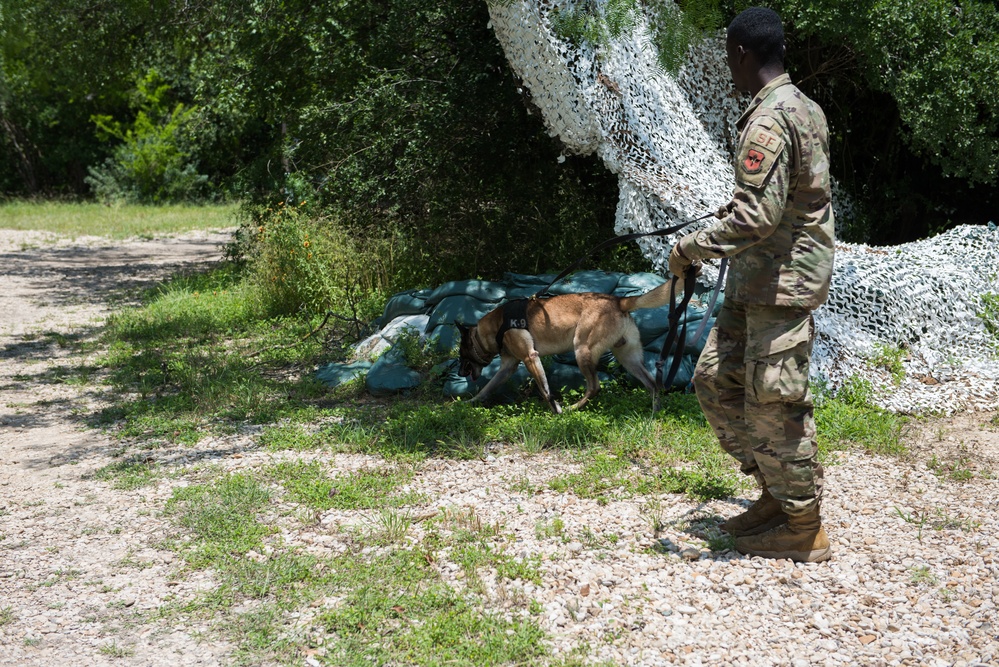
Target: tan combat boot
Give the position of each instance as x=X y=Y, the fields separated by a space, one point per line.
x=801 y=539
x=761 y=516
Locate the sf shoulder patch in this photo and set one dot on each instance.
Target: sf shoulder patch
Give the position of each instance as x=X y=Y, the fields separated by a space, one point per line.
x=761 y=146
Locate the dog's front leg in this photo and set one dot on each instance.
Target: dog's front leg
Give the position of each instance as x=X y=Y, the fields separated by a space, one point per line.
x=533 y=363
x=507 y=365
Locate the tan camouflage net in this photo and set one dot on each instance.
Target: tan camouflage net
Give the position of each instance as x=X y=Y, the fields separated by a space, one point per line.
x=671 y=139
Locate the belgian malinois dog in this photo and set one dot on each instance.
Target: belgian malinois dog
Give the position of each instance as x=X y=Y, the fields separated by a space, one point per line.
x=587 y=322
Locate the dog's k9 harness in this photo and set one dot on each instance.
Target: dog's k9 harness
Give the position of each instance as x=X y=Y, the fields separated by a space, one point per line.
x=514 y=317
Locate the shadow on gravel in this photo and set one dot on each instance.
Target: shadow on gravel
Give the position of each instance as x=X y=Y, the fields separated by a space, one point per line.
x=76 y=274
x=703 y=524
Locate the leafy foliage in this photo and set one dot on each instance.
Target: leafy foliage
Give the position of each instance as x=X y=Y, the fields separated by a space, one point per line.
x=400 y=119
x=674 y=28
x=152 y=164
x=909 y=88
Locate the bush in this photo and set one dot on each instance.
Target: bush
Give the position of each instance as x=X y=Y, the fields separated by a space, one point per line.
x=153 y=162
x=305 y=262
x=909 y=90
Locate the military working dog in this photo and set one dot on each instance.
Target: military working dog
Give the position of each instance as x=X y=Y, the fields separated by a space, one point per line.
x=587 y=322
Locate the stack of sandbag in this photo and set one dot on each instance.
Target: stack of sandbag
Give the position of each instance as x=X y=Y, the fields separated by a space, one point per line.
x=431 y=315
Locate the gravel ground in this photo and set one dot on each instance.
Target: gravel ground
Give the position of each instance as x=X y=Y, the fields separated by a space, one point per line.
x=913 y=579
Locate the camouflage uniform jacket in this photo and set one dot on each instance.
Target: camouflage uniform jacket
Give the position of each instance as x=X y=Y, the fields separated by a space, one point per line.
x=779 y=226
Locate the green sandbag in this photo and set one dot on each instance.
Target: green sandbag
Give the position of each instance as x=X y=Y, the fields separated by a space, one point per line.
x=465 y=309
x=652 y=323
x=587 y=281
x=691 y=348
x=455 y=385
x=526 y=280
x=444 y=338
x=483 y=290
x=410 y=302
x=637 y=283
x=684 y=374
x=389 y=375
x=334 y=375
x=568 y=377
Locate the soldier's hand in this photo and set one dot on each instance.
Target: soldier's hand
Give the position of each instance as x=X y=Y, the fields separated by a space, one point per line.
x=723 y=211
x=679 y=264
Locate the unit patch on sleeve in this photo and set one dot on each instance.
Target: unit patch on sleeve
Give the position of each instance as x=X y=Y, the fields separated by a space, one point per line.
x=759 y=152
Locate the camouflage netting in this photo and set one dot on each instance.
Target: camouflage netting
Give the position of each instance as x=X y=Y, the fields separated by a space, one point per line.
x=671 y=139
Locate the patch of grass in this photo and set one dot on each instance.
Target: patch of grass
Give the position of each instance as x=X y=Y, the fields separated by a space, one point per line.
x=849 y=419
x=640 y=454
x=177 y=374
x=923 y=575
x=395 y=609
x=891 y=358
x=291 y=437
x=938 y=520
x=115 y=650
x=116 y=222
x=127 y=475
x=956 y=469
x=221 y=517
x=308 y=483
x=387 y=605
x=700 y=483
x=989 y=313
x=276 y=575
x=392 y=526
x=554 y=527
x=7 y=615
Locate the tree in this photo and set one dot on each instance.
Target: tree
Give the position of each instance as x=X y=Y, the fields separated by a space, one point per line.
x=910 y=90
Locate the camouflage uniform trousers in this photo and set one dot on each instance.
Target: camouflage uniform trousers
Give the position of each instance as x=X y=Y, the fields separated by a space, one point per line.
x=752 y=383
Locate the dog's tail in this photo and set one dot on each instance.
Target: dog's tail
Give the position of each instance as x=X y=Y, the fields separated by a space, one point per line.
x=654 y=298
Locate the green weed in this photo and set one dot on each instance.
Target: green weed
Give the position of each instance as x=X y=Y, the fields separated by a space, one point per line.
x=554 y=527
x=310 y=485
x=396 y=609
x=923 y=575
x=293 y=437
x=890 y=358
x=127 y=475
x=956 y=469
x=850 y=419
x=222 y=518
x=114 y=650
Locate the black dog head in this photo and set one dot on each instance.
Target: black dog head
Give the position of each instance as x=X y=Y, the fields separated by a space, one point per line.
x=470 y=364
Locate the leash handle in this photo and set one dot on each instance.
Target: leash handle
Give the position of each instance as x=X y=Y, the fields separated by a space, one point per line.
x=672 y=338
x=615 y=241
x=712 y=301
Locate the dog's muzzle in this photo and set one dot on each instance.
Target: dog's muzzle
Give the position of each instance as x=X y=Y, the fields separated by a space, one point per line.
x=469 y=369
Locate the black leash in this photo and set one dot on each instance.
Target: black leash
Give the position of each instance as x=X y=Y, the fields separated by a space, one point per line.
x=672 y=339
x=714 y=299
x=678 y=337
x=624 y=238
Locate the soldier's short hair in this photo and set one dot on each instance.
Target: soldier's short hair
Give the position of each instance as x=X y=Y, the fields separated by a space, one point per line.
x=759 y=30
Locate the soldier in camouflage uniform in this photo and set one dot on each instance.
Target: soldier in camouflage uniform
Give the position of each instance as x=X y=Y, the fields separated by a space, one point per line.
x=752 y=377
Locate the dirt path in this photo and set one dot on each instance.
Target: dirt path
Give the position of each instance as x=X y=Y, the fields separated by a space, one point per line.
x=83 y=575
x=79 y=569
